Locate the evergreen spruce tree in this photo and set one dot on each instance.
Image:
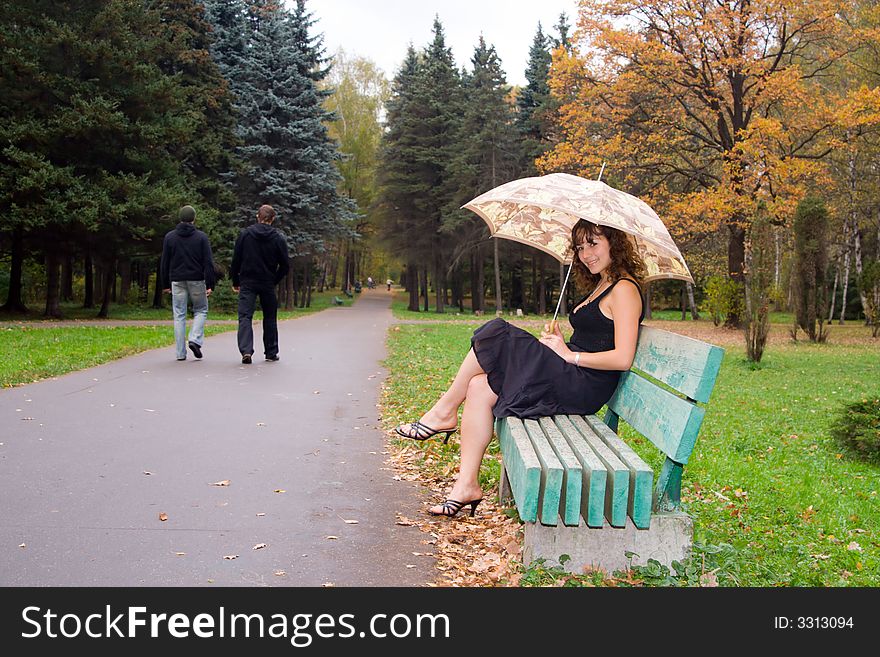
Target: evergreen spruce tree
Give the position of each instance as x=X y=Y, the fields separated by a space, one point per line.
x=400 y=185
x=93 y=106
x=185 y=43
x=438 y=87
x=532 y=102
x=487 y=157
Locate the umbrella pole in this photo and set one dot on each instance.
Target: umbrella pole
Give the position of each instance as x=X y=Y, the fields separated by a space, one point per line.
x=561 y=292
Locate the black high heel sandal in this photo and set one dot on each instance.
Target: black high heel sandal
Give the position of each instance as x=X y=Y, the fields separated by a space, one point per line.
x=419 y=431
x=450 y=508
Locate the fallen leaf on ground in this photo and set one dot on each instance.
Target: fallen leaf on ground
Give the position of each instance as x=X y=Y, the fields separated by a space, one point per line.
x=331 y=538
x=328 y=584
x=279 y=490
x=260 y=515
x=23 y=545
x=225 y=482
x=146 y=472
x=163 y=517
x=149 y=410
x=261 y=424
x=709 y=579
x=854 y=547
x=259 y=546
x=230 y=557
x=280 y=573
x=180 y=554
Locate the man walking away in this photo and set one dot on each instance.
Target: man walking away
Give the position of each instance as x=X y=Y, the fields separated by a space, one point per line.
x=187 y=272
x=259 y=263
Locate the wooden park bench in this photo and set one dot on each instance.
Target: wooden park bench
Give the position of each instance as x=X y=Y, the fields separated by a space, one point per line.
x=583 y=492
x=337 y=301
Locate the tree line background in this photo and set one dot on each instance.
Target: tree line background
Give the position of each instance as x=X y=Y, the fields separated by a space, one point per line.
x=750 y=126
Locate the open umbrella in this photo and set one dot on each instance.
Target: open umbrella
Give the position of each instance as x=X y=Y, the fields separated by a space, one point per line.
x=541 y=211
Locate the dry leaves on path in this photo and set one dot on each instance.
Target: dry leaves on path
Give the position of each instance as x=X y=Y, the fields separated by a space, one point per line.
x=479 y=551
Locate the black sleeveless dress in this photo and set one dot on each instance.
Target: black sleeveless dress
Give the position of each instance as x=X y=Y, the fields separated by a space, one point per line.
x=531 y=380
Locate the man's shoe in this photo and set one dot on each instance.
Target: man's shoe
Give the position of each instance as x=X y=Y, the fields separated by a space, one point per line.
x=246 y=359
x=275 y=357
x=184 y=358
x=196 y=349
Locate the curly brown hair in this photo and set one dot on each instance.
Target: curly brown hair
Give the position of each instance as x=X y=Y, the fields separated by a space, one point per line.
x=624 y=259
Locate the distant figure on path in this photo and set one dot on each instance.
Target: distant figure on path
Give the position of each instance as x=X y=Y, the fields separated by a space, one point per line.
x=187 y=272
x=259 y=263
x=388 y=283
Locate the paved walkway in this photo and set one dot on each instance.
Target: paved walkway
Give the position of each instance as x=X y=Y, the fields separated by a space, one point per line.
x=90 y=460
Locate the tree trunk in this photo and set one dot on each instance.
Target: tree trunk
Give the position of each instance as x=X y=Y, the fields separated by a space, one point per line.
x=424 y=286
x=690 y=294
x=109 y=270
x=477 y=280
x=14 y=302
x=542 y=285
x=157 y=290
x=646 y=301
x=563 y=301
x=845 y=277
x=439 y=280
x=834 y=292
x=857 y=257
x=683 y=301
x=499 y=309
x=53 y=285
x=307 y=284
x=736 y=255
x=89 y=282
x=67 y=278
x=124 y=279
x=412 y=282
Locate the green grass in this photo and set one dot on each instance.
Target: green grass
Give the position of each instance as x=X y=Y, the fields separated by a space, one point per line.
x=29 y=353
x=125 y=312
x=776 y=501
x=401 y=301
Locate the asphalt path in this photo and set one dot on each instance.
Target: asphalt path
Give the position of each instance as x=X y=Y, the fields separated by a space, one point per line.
x=151 y=472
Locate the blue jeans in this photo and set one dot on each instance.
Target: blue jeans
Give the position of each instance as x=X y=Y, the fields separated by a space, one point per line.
x=182 y=293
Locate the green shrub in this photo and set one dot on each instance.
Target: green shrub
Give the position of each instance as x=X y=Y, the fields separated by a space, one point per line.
x=223 y=299
x=857 y=427
x=723 y=297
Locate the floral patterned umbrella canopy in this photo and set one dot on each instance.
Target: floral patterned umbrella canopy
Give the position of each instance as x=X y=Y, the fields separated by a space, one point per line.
x=541 y=212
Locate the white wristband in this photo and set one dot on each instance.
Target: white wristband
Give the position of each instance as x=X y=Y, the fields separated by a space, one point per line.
x=577 y=359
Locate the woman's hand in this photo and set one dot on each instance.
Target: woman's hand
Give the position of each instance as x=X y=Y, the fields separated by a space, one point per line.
x=554 y=340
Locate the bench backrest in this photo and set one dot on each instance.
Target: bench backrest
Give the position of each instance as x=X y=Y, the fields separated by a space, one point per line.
x=671 y=422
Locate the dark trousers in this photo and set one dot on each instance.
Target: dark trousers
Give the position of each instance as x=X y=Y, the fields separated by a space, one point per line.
x=247 y=301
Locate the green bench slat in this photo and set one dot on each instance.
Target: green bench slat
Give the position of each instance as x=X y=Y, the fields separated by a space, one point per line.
x=617 y=483
x=522 y=465
x=668 y=421
x=593 y=473
x=551 y=474
x=570 y=503
x=641 y=477
x=690 y=366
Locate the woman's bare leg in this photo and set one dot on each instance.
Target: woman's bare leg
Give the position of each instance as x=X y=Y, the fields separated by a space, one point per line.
x=444 y=413
x=477 y=424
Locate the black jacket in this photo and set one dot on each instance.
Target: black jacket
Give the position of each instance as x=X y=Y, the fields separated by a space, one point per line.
x=186 y=256
x=260 y=256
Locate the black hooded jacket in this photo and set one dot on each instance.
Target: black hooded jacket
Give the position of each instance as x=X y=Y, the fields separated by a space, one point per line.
x=186 y=256
x=260 y=257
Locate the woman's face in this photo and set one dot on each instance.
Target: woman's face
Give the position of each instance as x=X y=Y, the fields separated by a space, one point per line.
x=595 y=253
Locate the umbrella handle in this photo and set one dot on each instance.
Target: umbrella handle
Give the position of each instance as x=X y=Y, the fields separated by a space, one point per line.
x=559 y=303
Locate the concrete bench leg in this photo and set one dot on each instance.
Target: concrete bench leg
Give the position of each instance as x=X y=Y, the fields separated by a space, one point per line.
x=669 y=539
